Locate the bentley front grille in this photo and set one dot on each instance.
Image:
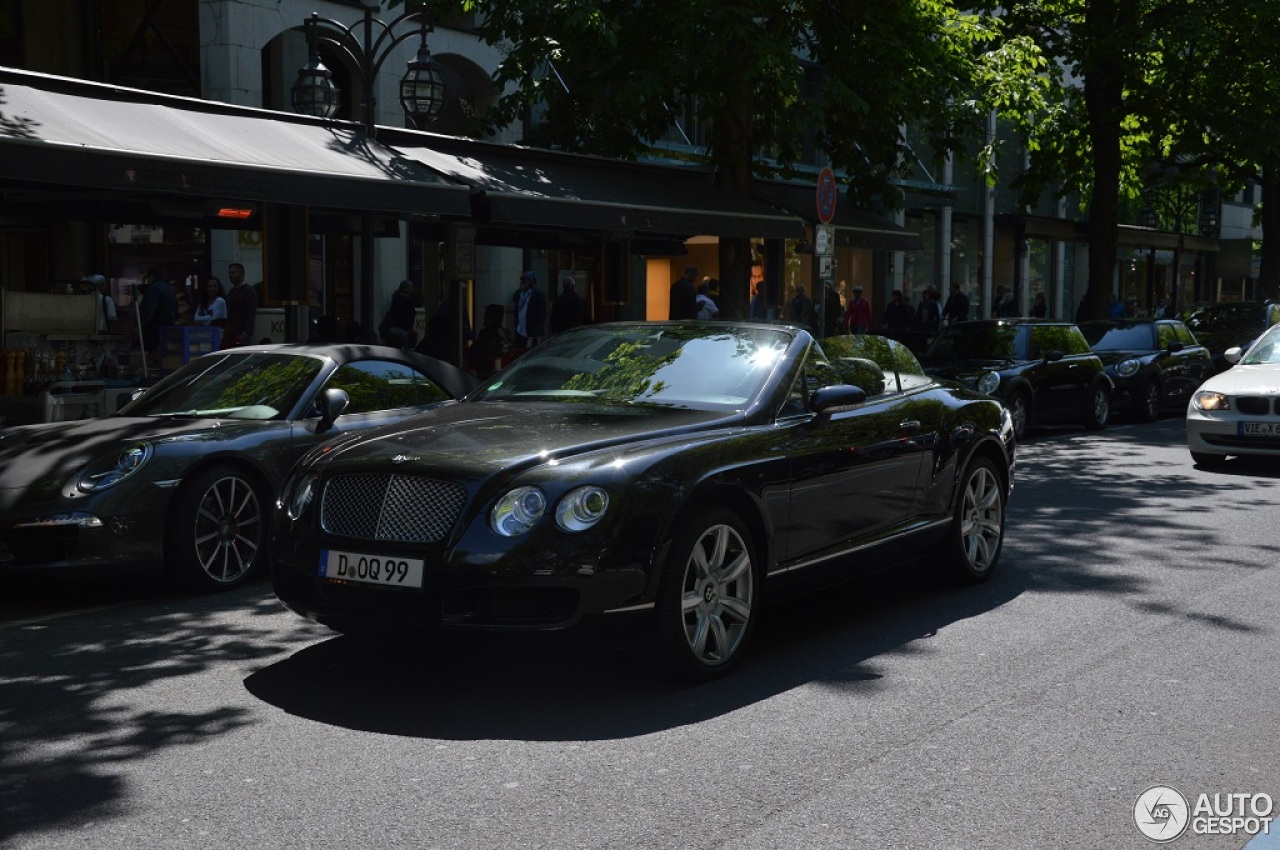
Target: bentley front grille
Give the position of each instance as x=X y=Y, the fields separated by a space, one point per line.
x=400 y=508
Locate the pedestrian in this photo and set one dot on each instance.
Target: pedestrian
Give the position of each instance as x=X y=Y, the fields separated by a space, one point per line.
x=929 y=313
x=157 y=309
x=106 y=304
x=441 y=339
x=242 y=309
x=493 y=345
x=566 y=309
x=211 y=305
x=1116 y=310
x=1002 y=306
x=396 y=328
x=957 y=306
x=531 y=311
x=857 y=313
x=1040 y=309
x=831 y=310
x=801 y=309
x=684 y=296
x=758 y=312
x=898 y=314
x=706 y=307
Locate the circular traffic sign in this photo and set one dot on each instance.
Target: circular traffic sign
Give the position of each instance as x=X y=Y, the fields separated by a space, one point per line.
x=827 y=192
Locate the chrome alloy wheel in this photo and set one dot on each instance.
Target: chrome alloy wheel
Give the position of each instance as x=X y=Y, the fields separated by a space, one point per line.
x=718 y=590
x=981 y=519
x=228 y=529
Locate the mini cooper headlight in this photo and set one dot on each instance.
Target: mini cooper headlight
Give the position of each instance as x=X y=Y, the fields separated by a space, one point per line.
x=517 y=511
x=1209 y=400
x=1127 y=368
x=297 y=498
x=111 y=469
x=582 y=508
x=988 y=383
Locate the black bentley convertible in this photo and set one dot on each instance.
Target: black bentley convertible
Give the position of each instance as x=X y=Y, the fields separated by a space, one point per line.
x=676 y=473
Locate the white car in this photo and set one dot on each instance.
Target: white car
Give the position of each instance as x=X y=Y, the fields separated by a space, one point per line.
x=1237 y=412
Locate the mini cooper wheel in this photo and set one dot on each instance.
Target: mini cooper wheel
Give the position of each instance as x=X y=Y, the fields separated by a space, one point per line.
x=971 y=549
x=708 y=596
x=1151 y=396
x=216 y=536
x=1099 y=412
x=1020 y=412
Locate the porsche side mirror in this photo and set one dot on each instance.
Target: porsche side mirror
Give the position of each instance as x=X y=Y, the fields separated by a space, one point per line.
x=331 y=402
x=830 y=398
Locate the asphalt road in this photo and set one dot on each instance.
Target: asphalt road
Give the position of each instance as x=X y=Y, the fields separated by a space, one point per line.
x=1129 y=640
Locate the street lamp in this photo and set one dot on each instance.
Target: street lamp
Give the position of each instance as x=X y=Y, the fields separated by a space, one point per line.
x=421 y=93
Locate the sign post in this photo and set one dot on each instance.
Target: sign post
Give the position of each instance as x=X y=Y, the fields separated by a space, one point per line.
x=824 y=245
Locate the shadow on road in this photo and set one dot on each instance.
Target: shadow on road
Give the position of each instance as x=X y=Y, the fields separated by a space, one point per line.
x=78 y=695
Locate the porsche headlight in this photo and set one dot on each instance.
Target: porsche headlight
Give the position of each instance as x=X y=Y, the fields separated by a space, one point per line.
x=299 y=496
x=581 y=508
x=517 y=511
x=113 y=468
x=1127 y=368
x=1209 y=400
x=988 y=383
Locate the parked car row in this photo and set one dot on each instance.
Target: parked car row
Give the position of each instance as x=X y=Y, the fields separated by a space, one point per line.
x=676 y=476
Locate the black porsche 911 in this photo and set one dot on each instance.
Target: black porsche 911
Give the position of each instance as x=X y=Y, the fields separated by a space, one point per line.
x=678 y=473
x=184 y=476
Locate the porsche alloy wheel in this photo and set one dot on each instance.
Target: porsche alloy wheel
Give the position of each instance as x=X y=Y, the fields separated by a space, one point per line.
x=218 y=531
x=972 y=547
x=707 y=597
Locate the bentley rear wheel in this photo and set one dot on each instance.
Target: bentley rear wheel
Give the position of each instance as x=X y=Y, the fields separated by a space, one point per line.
x=708 y=595
x=971 y=549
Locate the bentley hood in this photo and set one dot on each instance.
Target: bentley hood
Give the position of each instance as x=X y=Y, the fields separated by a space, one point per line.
x=473 y=440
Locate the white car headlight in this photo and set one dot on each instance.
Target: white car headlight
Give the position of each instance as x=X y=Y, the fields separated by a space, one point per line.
x=113 y=468
x=1209 y=400
x=582 y=508
x=517 y=511
x=988 y=383
x=297 y=498
x=1127 y=368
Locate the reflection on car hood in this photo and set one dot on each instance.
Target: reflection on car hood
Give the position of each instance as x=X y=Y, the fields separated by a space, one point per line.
x=475 y=439
x=51 y=452
x=1246 y=380
x=969 y=368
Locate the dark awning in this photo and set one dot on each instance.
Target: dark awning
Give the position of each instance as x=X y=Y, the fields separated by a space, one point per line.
x=57 y=132
x=855 y=228
x=522 y=188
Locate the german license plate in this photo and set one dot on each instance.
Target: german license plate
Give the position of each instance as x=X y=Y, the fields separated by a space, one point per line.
x=371 y=569
x=1258 y=429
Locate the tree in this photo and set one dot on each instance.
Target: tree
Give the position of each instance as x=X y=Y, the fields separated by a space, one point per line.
x=772 y=80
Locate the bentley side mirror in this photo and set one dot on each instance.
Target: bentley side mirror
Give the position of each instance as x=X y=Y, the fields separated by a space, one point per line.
x=331 y=403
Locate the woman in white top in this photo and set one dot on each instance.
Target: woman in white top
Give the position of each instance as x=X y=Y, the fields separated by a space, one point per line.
x=211 y=306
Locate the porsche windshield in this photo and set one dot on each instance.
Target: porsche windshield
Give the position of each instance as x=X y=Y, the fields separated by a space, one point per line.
x=250 y=385
x=670 y=365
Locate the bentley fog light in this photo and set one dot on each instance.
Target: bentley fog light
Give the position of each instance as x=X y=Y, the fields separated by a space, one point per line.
x=581 y=508
x=1209 y=400
x=113 y=468
x=517 y=511
x=1127 y=368
x=988 y=383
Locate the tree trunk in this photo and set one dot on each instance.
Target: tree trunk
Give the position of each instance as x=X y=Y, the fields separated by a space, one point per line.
x=1269 y=274
x=1104 y=103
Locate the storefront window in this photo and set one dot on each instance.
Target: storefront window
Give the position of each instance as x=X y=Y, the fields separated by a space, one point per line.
x=920 y=268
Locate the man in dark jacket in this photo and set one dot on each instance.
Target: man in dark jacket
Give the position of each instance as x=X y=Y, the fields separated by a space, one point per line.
x=157 y=309
x=531 y=312
x=957 y=306
x=684 y=295
x=566 y=310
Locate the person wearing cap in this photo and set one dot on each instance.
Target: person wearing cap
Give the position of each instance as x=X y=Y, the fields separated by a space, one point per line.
x=531 y=311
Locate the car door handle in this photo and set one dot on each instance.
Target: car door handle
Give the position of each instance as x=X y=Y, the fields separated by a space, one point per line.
x=910 y=425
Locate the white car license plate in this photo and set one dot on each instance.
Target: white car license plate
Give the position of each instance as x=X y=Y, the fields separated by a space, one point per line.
x=371 y=569
x=1258 y=429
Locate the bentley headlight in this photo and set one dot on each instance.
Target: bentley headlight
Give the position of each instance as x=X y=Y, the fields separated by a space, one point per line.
x=113 y=468
x=988 y=383
x=1209 y=400
x=1127 y=368
x=299 y=496
x=582 y=508
x=517 y=511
